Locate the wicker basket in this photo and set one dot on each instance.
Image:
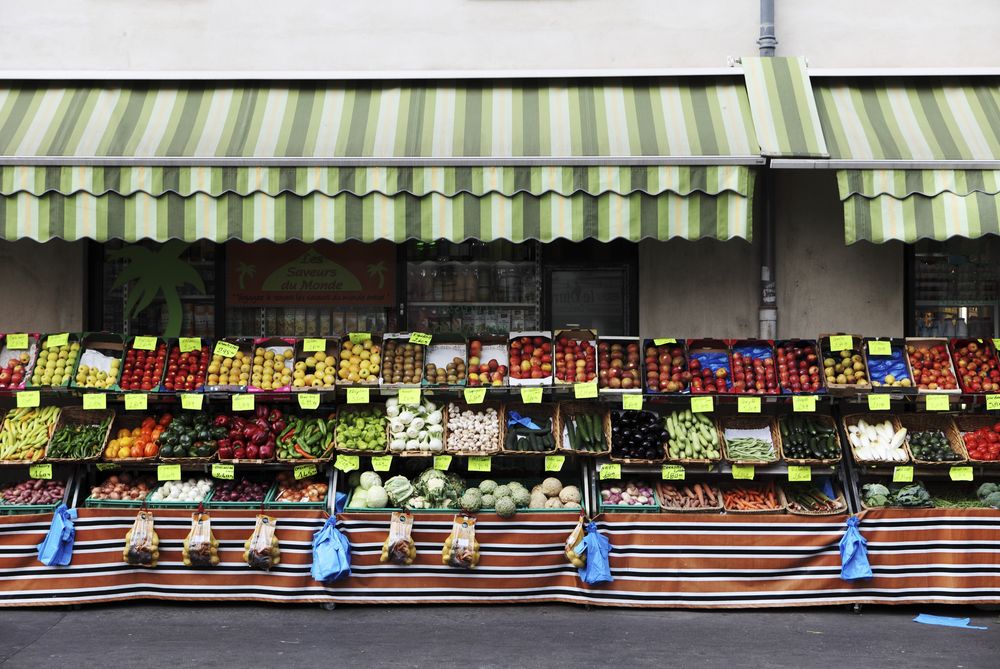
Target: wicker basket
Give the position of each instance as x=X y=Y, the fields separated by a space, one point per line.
x=972 y=423
x=681 y=509
x=126 y=421
x=348 y=409
x=501 y=425
x=189 y=461
x=548 y=410
x=919 y=422
x=570 y=409
x=36 y=460
x=824 y=420
x=699 y=461
x=839 y=498
x=751 y=423
x=77 y=416
x=424 y=454
x=781 y=508
x=871 y=418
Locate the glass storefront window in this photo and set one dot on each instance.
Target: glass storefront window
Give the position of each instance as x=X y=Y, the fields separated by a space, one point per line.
x=955 y=288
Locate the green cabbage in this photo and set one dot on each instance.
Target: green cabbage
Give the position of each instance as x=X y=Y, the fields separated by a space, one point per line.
x=377 y=498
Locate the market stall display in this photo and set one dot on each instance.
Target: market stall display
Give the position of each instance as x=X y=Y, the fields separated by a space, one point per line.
x=79 y=435
x=981 y=437
x=586 y=428
x=638 y=436
x=26 y=432
x=16 y=363
x=618 y=359
x=488 y=362
x=55 y=363
x=402 y=360
x=416 y=429
x=303 y=438
x=811 y=500
x=750 y=440
x=100 y=361
x=754 y=370
x=976 y=364
x=930 y=362
x=243 y=493
x=844 y=367
x=188 y=438
x=748 y=498
x=692 y=437
x=136 y=439
x=33 y=495
x=912 y=495
x=190 y=492
x=666 y=366
x=251 y=438
x=229 y=373
x=290 y=492
x=932 y=439
x=272 y=365
x=876 y=439
x=123 y=489
x=799 y=366
x=143 y=368
x=709 y=365
x=314 y=364
x=187 y=371
x=576 y=360
x=473 y=429
x=888 y=372
x=360 y=361
x=699 y=497
x=808 y=440
x=530 y=355
x=362 y=429
x=628 y=496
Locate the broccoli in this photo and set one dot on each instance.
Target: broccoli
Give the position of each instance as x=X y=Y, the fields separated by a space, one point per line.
x=986 y=489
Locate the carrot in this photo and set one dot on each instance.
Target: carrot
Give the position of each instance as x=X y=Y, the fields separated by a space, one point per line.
x=701 y=497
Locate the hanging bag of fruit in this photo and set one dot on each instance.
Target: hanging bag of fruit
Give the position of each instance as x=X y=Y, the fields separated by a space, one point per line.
x=578 y=560
x=331 y=553
x=399 y=547
x=261 y=551
x=596 y=547
x=461 y=548
x=142 y=545
x=201 y=548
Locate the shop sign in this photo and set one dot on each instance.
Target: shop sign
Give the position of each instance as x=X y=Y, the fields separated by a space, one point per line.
x=321 y=273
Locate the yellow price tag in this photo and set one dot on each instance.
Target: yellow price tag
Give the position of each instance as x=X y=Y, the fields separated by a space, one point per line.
x=357 y=395
x=27 y=399
x=144 y=343
x=961 y=473
x=442 y=462
x=554 y=463
x=902 y=474
x=359 y=337
x=188 y=344
x=474 y=395
x=225 y=349
x=381 y=463
x=804 y=403
x=672 y=473
x=878 y=402
x=420 y=338
x=480 y=463
x=937 y=403
x=632 y=402
x=304 y=472
x=841 y=343
x=800 y=473
x=308 y=400
x=992 y=402
x=531 y=395
x=743 y=472
x=347 y=463
x=996 y=344
x=168 y=473
x=17 y=342
x=704 y=404
x=221 y=471
x=610 y=471
x=748 y=405
x=57 y=340
x=243 y=402
x=40 y=471
x=136 y=402
x=313 y=345
x=662 y=341
x=95 y=401
x=879 y=348
x=409 y=395
x=192 y=401
x=585 y=391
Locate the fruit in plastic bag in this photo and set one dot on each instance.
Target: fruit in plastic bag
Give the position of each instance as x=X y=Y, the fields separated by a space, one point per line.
x=461 y=548
x=261 y=550
x=399 y=547
x=201 y=548
x=142 y=545
x=575 y=537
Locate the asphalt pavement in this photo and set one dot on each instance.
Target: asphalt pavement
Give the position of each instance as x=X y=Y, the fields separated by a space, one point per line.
x=207 y=635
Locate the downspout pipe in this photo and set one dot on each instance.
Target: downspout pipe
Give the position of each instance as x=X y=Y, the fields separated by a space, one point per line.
x=767 y=313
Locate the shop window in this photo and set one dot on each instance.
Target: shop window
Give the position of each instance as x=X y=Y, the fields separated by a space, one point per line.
x=955 y=288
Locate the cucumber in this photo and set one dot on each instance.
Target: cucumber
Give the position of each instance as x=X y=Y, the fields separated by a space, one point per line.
x=573 y=438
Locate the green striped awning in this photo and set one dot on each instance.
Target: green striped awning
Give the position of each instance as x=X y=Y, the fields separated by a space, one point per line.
x=783 y=107
x=908 y=205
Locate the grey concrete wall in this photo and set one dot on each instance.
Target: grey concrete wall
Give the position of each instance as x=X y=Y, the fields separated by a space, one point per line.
x=824 y=285
x=44 y=287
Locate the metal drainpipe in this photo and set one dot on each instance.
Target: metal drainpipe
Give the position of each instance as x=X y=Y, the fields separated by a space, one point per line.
x=767 y=313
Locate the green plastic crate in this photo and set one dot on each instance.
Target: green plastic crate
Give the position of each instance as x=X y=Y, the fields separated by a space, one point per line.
x=628 y=508
x=252 y=506
x=175 y=505
x=23 y=509
x=92 y=503
x=269 y=502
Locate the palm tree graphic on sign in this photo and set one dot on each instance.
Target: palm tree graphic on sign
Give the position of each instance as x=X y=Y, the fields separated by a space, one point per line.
x=245 y=272
x=160 y=272
x=378 y=269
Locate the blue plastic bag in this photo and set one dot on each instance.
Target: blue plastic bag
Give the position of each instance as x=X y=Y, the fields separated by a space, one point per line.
x=595 y=547
x=854 y=553
x=56 y=550
x=331 y=553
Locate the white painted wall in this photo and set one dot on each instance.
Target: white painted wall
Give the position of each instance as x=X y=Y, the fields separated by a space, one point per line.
x=384 y=35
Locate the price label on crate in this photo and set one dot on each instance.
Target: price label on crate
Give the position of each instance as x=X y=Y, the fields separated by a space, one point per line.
x=222 y=471
x=632 y=402
x=313 y=345
x=304 y=472
x=17 y=342
x=168 y=473
x=996 y=344
x=226 y=350
x=409 y=395
x=347 y=463
x=748 y=405
x=474 y=395
x=136 y=402
x=804 y=403
x=902 y=474
x=243 y=402
x=702 y=404
x=27 y=399
x=800 y=473
x=381 y=463
x=841 y=343
x=359 y=337
x=531 y=395
x=308 y=400
x=480 y=463
x=188 y=344
x=961 y=473
x=878 y=402
x=421 y=338
x=662 y=341
x=106 y=466
x=442 y=462
x=40 y=471
x=672 y=473
x=554 y=463
x=992 y=402
x=610 y=471
x=192 y=401
x=879 y=348
x=357 y=395
x=144 y=343
x=743 y=472
x=585 y=391
x=95 y=401
x=60 y=339
x=937 y=403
